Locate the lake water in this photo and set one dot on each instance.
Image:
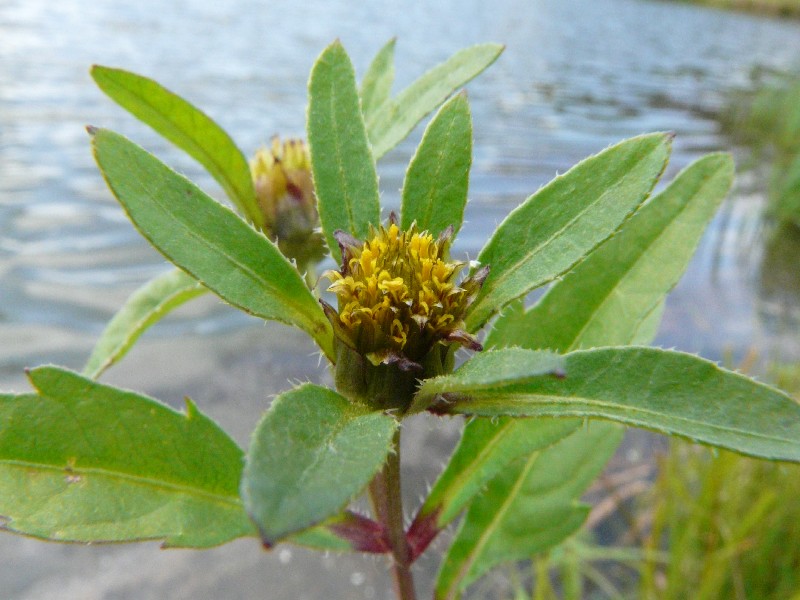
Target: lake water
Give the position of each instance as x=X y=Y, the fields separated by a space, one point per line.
x=576 y=76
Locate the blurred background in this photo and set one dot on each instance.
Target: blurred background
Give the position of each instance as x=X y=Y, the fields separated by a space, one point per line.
x=576 y=76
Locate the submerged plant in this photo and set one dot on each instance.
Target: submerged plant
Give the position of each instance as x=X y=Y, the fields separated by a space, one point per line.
x=83 y=461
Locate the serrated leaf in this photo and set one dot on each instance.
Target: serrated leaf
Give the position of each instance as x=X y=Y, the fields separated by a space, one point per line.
x=435 y=188
x=395 y=120
x=486 y=447
x=207 y=240
x=145 y=307
x=377 y=83
x=188 y=128
x=345 y=179
x=311 y=453
x=529 y=507
x=670 y=392
x=605 y=299
x=565 y=220
x=85 y=462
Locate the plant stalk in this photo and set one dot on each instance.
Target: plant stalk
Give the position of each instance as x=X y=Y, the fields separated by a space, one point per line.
x=387 y=505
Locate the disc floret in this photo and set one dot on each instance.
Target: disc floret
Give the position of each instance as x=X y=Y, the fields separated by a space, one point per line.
x=399 y=297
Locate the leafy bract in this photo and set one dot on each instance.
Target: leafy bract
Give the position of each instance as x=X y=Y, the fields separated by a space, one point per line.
x=312 y=452
x=436 y=183
x=562 y=222
x=188 y=128
x=206 y=239
x=529 y=507
x=146 y=306
x=396 y=118
x=666 y=391
x=377 y=83
x=605 y=299
x=85 y=462
x=345 y=179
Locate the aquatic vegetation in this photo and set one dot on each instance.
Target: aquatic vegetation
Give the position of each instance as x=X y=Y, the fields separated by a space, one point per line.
x=544 y=389
x=769 y=121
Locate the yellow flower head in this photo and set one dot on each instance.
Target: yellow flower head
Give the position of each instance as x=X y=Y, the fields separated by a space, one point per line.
x=398 y=295
x=285 y=194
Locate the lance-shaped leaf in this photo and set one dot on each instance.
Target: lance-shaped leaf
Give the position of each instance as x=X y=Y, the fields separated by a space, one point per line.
x=344 y=171
x=436 y=183
x=666 y=391
x=565 y=220
x=146 y=306
x=396 y=118
x=377 y=83
x=188 y=128
x=486 y=447
x=206 y=239
x=312 y=453
x=529 y=507
x=85 y=462
x=605 y=299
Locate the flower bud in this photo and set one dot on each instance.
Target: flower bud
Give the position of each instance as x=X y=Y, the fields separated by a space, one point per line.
x=400 y=312
x=285 y=194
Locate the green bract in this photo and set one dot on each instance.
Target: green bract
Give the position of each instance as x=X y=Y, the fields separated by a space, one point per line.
x=82 y=461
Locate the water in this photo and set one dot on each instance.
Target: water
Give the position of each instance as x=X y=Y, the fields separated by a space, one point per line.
x=576 y=76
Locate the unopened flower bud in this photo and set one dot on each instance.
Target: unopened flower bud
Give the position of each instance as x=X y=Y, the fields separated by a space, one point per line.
x=285 y=194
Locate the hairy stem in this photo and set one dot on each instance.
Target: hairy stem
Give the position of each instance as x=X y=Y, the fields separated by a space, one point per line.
x=387 y=504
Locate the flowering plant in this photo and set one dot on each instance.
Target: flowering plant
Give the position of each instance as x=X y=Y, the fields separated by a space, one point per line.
x=547 y=386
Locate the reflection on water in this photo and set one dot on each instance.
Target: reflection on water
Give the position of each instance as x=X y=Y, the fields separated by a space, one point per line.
x=576 y=77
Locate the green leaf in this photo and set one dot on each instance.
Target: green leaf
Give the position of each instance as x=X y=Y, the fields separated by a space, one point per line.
x=666 y=391
x=146 y=306
x=435 y=188
x=528 y=508
x=486 y=447
x=565 y=220
x=188 y=128
x=312 y=453
x=395 y=119
x=377 y=83
x=207 y=240
x=606 y=298
x=341 y=161
x=85 y=462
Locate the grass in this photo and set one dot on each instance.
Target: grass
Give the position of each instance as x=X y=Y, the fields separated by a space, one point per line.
x=769 y=122
x=784 y=8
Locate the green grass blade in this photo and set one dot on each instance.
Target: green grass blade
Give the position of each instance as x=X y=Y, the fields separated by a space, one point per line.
x=146 y=306
x=395 y=120
x=207 y=240
x=669 y=392
x=312 y=453
x=530 y=507
x=85 y=462
x=437 y=180
x=565 y=220
x=605 y=299
x=344 y=170
x=377 y=83
x=188 y=128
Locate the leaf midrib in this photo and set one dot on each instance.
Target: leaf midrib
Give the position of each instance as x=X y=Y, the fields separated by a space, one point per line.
x=137 y=480
x=550 y=400
x=626 y=273
x=220 y=251
x=466 y=474
x=489 y=530
x=526 y=258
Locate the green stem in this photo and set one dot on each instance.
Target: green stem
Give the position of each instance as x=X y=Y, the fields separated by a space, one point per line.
x=387 y=504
